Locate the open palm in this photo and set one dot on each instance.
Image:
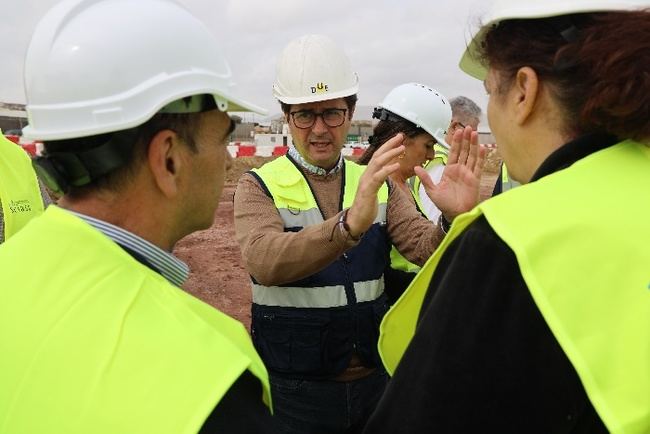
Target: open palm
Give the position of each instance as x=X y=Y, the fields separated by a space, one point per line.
x=458 y=189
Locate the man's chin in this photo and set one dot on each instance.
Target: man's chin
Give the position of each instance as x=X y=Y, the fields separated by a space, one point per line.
x=325 y=162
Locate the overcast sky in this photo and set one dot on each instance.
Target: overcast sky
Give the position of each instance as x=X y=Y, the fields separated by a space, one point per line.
x=389 y=42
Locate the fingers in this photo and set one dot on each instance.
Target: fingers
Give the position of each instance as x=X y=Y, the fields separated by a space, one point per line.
x=380 y=159
x=465 y=144
x=480 y=161
x=383 y=173
x=380 y=166
x=455 y=146
x=424 y=176
x=389 y=146
x=472 y=156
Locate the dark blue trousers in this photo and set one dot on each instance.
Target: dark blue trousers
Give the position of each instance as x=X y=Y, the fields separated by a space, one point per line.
x=325 y=407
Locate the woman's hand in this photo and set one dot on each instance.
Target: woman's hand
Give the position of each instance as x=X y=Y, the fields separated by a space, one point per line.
x=458 y=189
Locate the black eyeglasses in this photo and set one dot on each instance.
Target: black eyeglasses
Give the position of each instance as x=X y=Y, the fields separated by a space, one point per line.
x=333 y=117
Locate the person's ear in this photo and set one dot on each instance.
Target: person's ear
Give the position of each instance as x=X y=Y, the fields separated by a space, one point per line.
x=165 y=160
x=525 y=93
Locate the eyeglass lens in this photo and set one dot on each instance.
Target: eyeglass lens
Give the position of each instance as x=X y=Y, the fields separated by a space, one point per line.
x=307 y=118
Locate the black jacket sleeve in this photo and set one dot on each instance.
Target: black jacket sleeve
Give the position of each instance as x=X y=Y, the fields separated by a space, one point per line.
x=241 y=410
x=482 y=358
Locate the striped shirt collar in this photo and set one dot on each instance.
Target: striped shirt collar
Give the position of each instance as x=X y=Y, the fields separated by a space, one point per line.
x=170 y=267
x=293 y=152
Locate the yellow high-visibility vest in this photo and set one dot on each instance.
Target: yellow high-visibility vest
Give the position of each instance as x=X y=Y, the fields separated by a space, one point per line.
x=93 y=341
x=297 y=206
x=591 y=283
x=397 y=261
x=19 y=191
x=507 y=183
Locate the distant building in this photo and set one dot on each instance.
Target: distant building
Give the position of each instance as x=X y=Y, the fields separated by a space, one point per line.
x=272 y=140
x=12 y=116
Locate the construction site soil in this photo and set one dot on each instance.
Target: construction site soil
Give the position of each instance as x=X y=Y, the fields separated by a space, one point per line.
x=217 y=274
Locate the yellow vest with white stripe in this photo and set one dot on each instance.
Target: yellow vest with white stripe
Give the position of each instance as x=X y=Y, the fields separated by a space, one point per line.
x=93 y=341
x=19 y=191
x=591 y=283
x=311 y=327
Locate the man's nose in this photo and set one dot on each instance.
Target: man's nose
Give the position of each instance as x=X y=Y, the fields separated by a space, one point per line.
x=319 y=126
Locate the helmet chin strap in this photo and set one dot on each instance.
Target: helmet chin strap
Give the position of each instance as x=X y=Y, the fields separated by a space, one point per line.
x=61 y=170
x=384 y=115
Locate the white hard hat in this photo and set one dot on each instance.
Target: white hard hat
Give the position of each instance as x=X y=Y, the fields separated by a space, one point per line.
x=425 y=107
x=97 y=66
x=313 y=68
x=517 y=9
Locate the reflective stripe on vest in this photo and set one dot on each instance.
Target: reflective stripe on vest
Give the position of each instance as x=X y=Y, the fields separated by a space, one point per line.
x=19 y=191
x=319 y=297
x=298 y=208
x=591 y=284
x=99 y=343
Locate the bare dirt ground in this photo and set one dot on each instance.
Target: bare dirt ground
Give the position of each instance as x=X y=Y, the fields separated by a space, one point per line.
x=217 y=274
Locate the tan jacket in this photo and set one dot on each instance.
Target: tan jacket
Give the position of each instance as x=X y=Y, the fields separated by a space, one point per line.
x=275 y=257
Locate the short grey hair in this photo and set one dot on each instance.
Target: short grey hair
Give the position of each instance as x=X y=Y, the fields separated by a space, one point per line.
x=464 y=109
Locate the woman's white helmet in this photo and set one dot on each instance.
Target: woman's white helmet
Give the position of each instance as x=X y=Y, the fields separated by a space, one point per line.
x=425 y=107
x=313 y=68
x=516 y=9
x=97 y=66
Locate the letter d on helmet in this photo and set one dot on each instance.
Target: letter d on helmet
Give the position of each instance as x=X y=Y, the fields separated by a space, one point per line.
x=97 y=66
x=313 y=68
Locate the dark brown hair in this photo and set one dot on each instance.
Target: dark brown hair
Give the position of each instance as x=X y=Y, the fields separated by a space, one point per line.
x=598 y=71
x=384 y=131
x=133 y=145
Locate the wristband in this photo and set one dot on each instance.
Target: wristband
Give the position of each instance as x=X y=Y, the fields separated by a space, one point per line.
x=444 y=224
x=345 y=228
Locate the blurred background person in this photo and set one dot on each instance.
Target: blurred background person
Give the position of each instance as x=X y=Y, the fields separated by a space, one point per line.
x=22 y=196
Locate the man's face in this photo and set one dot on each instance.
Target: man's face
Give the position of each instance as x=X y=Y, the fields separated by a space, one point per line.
x=456 y=124
x=208 y=169
x=320 y=144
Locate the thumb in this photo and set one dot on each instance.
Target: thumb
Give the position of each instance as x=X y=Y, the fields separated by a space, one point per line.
x=426 y=180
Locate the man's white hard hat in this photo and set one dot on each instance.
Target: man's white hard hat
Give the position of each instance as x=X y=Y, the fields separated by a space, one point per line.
x=97 y=66
x=313 y=68
x=425 y=107
x=518 y=9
